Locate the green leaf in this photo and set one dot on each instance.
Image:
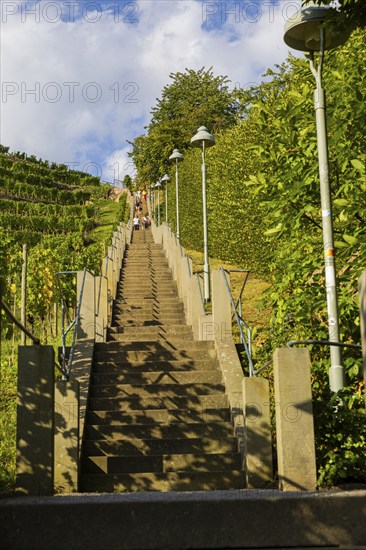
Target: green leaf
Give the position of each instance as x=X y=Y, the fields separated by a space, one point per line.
x=358 y=165
x=337 y=74
x=341 y=202
x=274 y=230
x=350 y=239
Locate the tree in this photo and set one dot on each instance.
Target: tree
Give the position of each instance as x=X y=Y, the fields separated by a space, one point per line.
x=350 y=12
x=128 y=183
x=192 y=99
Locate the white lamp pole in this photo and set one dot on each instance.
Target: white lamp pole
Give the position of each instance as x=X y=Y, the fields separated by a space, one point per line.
x=152 y=196
x=204 y=139
x=158 y=187
x=177 y=156
x=166 y=180
x=307 y=33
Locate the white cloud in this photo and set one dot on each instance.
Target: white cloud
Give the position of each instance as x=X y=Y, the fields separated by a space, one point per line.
x=77 y=90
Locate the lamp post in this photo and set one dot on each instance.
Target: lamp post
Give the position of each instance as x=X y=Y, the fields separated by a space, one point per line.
x=166 y=180
x=177 y=156
x=307 y=33
x=152 y=198
x=204 y=139
x=158 y=187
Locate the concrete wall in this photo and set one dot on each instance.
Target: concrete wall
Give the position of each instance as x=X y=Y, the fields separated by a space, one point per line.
x=66 y=436
x=294 y=420
x=35 y=420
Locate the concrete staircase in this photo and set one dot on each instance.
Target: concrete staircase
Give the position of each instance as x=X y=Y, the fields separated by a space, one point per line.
x=157 y=416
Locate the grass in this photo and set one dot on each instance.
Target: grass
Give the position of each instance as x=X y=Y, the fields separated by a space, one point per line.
x=110 y=213
x=254 y=314
x=8 y=376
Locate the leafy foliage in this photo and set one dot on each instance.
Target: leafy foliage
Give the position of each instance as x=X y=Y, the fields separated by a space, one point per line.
x=192 y=99
x=55 y=211
x=264 y=213
x=350 y=12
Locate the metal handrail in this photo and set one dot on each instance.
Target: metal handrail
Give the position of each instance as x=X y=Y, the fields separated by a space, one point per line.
x=240 y=322
x=292 y=343
x=10 y=314
x=198 y=276
x=67 y=363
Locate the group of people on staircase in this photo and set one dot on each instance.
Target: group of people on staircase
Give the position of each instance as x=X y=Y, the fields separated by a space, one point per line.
x=141 y=216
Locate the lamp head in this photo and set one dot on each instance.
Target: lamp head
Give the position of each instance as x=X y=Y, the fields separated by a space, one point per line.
x=165 y=178
x=176 y=155
x=303 y=31
x=203 y=135
x=158 y=184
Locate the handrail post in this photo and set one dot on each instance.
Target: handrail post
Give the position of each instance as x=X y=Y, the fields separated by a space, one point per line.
x=221 y=307
x=35 y=420
x=86 y=313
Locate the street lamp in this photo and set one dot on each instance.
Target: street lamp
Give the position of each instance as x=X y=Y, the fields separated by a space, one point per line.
x=307 y=33
x=166 y=180
x=158 y=187
x=152 y=197
x=204 y=139
x=177 y=156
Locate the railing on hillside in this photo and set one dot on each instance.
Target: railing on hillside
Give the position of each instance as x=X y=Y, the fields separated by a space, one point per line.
x=67 y=358
x=199 y=279
x=238 y=315
x=9 y=313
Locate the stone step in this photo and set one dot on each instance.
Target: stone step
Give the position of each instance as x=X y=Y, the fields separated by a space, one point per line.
x=137 y=268
x=156 y=279
x=158 y=416
x=155 y=390
x=148 y=308
x=133 y=322
x=151 y=330
x=171 y=366
x=155 y=351
x=146 y=251
x=156 y=346
x=148 y=447
x=161 y=463
x=173 y=402
x=158 y=377
x=152 y=304
x=153 y=300
x=154 y=358
x=141 y=317
x=143 y=296
x=173 y=481
x=135 y=262
x=151 y=280
x=164 y=431
x=137 y=289
x=153 y=270
x=136 y=337
x=148 y=247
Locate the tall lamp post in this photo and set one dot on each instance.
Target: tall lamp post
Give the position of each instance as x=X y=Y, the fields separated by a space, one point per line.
x=308 y=34
x=204 y=139
x=158 y=187
x=166 y=179
x=177 y=156
x=152 y=197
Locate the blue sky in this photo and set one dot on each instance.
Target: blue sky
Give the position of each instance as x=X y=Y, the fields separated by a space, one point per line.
x=79 y=78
